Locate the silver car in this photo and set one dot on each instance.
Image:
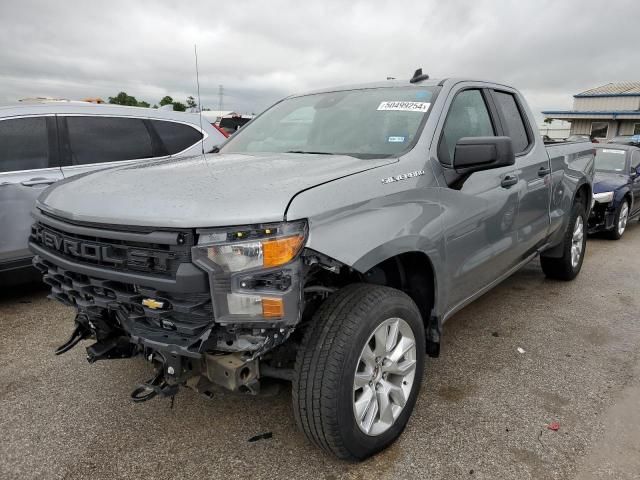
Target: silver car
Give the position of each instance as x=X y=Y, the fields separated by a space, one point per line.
x=43 y=143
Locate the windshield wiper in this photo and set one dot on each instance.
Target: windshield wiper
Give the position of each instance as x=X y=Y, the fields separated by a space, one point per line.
x=311 y=153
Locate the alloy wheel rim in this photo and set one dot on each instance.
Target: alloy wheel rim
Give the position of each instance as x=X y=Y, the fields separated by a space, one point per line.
x=622 y=219
x=577 y=242
x=384 y=376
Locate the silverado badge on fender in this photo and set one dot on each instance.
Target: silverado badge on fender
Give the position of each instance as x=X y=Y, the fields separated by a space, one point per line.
x=404 y=176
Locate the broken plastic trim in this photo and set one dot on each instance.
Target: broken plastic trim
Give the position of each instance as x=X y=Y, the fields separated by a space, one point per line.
x=80 y=332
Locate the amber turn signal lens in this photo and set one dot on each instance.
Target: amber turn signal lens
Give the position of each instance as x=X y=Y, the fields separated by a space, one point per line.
x=281 y=250
x=272 y=308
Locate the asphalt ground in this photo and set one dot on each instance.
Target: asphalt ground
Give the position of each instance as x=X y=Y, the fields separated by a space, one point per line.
x=483 y=411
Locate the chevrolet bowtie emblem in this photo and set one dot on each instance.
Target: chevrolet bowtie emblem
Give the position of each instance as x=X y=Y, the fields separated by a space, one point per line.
x=153 y=304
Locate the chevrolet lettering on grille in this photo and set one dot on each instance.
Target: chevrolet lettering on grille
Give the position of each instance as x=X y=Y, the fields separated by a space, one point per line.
x=79 y=248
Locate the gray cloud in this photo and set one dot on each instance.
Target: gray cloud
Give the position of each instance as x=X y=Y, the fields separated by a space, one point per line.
x=261 y=51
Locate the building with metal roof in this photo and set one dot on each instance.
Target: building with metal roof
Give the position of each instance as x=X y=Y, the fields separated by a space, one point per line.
x=604 y=112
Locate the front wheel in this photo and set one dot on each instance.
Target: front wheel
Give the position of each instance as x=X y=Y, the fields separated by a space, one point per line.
x=358 y=371
x=620 y=221
x=574 y=246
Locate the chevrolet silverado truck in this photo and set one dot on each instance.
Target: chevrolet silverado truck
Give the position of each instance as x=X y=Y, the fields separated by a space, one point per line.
x=326 y=243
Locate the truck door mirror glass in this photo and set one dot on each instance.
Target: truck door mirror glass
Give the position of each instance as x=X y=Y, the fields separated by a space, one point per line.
x=473 y=154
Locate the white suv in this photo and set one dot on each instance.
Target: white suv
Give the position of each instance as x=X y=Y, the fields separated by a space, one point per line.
x=43 y=143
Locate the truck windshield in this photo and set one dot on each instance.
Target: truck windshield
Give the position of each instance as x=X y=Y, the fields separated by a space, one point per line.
x=611 y=160
x=365 y=123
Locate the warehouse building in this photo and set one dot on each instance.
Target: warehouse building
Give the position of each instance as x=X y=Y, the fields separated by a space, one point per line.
x=604 y=112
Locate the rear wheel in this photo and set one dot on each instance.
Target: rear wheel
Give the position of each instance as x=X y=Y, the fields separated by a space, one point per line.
x=620 y=221
x=569 y=264
x=358 y=371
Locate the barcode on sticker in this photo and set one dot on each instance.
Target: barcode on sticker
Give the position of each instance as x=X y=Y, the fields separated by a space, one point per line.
x=405 y=106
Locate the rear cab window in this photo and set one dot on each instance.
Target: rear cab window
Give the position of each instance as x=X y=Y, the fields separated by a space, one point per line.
x=611 y=160
x=24 y=144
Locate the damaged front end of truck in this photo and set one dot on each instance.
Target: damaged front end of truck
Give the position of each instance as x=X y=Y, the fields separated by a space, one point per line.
x=209 y=308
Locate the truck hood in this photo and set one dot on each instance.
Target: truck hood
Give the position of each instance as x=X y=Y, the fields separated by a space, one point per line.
x=203 y=191
x=608 y=182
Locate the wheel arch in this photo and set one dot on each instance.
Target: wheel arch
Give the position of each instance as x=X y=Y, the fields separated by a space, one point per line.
x=415 y=273
x=584 y=195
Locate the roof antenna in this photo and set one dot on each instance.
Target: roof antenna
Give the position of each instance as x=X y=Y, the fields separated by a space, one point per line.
x=195 y=51
x=418 y=76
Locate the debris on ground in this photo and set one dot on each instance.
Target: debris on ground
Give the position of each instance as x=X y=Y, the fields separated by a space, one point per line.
x=555 y=426
x=495 y=334
x=520 y=350
x=261 y=436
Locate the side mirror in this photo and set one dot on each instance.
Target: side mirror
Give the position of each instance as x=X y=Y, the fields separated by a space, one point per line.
x=473 y=154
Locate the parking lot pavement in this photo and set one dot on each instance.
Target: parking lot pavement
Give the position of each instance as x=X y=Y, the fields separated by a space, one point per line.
x=482 y=413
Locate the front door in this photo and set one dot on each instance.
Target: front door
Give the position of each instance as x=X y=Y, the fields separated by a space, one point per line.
x=28 y=158
x=479 y=216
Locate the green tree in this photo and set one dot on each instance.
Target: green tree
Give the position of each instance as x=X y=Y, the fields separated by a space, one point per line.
x=123 y=99
x=179 y=106
x=548 y=120
x=166 y=101
x=191 y=102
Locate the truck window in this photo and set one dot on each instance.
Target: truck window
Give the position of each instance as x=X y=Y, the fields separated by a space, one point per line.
x=514 y=121
x=468 y=117
x=176 y=137
x=107 y=139
x=365 y=123
x=24 y=144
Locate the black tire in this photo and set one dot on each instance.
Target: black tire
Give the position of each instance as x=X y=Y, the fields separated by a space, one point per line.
x=323 y=388
x=561 y=268
x=615 y=234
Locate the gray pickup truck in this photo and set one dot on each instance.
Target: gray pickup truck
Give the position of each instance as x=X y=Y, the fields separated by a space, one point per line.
x=326 y=243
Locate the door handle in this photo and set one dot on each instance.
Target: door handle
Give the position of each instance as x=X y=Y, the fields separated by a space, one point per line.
x=38 y=181
x=544 y=171
x=508 y=181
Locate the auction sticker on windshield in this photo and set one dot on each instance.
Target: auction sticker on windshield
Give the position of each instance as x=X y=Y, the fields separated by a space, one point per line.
x=405 y=106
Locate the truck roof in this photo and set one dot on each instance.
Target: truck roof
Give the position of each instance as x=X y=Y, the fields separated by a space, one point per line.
x=400 y=83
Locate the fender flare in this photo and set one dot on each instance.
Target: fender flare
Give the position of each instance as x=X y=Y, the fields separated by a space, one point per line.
x=556 y=250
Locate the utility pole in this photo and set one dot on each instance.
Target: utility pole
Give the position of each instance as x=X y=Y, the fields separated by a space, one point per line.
x=220 y=97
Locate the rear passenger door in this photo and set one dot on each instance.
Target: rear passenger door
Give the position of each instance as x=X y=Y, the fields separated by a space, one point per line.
x=28 y=165
x=533 y=173
x=95 y=142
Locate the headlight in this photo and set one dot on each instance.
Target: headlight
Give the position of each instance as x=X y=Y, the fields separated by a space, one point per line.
x=248 y=248
x=604 y=197
x=252 y=270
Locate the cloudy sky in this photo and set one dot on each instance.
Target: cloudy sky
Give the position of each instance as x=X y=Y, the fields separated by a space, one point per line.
x=263 y=50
